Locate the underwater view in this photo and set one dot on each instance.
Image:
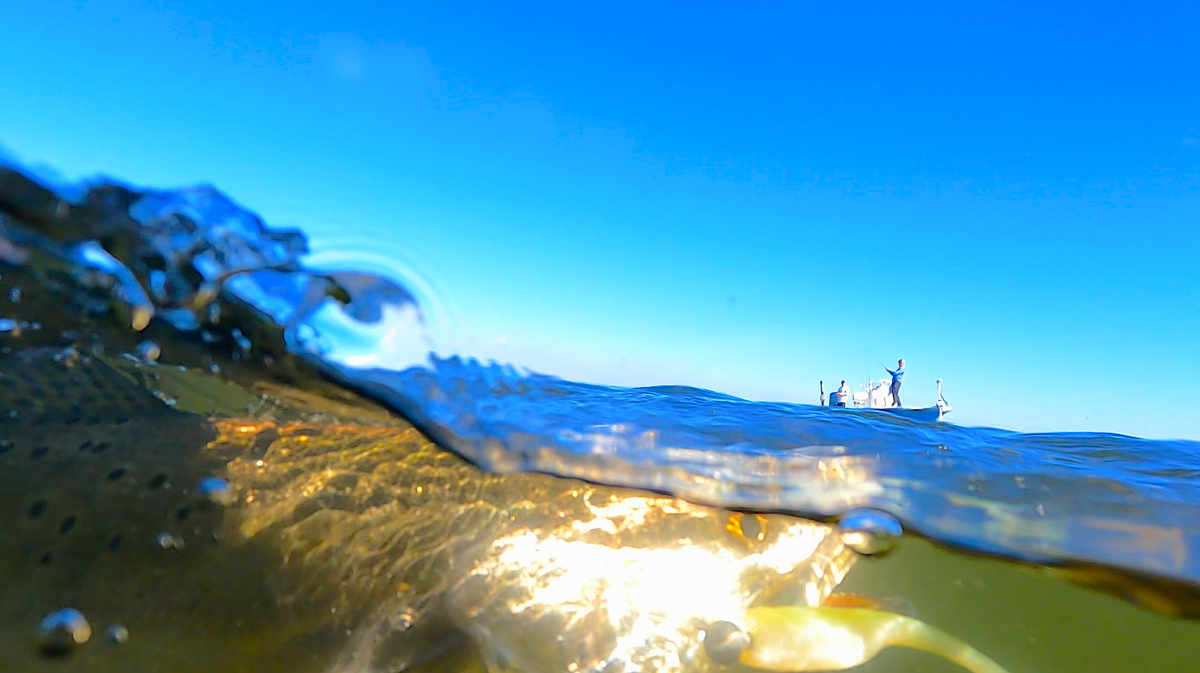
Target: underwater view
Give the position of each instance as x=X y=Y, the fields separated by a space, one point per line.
x=218 y=457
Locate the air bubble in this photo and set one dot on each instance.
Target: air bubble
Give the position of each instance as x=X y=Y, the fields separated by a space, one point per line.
x=148 y=351
x=169 y=541
x=217 y=491
x=117 y=634
x=241 y=340
x=870 y=532
x=62 y=632
x=724 y=642
x=68 y=356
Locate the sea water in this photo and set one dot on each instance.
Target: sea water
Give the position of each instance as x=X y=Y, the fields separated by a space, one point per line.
x=1051 y=552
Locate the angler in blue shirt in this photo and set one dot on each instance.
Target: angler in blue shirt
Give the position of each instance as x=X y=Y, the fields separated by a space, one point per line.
x=897 y=377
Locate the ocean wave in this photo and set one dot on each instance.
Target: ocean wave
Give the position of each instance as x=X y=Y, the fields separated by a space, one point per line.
x=194 y=259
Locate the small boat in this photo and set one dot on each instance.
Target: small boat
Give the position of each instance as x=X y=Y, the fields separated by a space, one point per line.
x=878 y=397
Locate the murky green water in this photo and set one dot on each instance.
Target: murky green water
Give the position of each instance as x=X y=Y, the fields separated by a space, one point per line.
x=1025 y=619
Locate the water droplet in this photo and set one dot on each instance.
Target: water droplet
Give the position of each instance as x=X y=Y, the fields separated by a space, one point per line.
x=14 y=294
x=148 y=351
x=117 y=633
x=870 y=532
x=217 y=491
x=62 y=632
x=169 y=541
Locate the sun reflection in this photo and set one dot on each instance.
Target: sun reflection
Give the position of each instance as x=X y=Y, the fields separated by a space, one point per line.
x=654 y=599
x=543 y=573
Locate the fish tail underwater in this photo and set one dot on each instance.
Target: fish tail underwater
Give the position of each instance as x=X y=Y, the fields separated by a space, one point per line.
x=223 y=500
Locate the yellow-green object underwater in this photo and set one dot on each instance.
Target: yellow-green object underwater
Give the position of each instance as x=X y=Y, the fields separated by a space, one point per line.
x=801 y=638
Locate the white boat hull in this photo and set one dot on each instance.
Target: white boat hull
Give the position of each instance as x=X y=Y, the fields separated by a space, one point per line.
x=878 y=397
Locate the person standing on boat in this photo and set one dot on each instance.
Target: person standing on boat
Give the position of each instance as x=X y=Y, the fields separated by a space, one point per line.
x=897 y=377
x=842 y=393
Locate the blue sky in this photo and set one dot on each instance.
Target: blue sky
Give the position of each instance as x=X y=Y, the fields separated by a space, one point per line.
x=749 y=200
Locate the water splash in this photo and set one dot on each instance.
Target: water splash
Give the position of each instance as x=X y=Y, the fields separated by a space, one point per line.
x=195 y=260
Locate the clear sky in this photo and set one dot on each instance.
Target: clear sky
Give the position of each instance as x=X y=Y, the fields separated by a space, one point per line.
x=749 y=199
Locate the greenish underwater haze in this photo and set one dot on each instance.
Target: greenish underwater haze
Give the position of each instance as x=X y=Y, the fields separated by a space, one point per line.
x=1018 y=615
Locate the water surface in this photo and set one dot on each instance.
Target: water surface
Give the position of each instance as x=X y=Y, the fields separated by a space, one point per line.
x=203 y=281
